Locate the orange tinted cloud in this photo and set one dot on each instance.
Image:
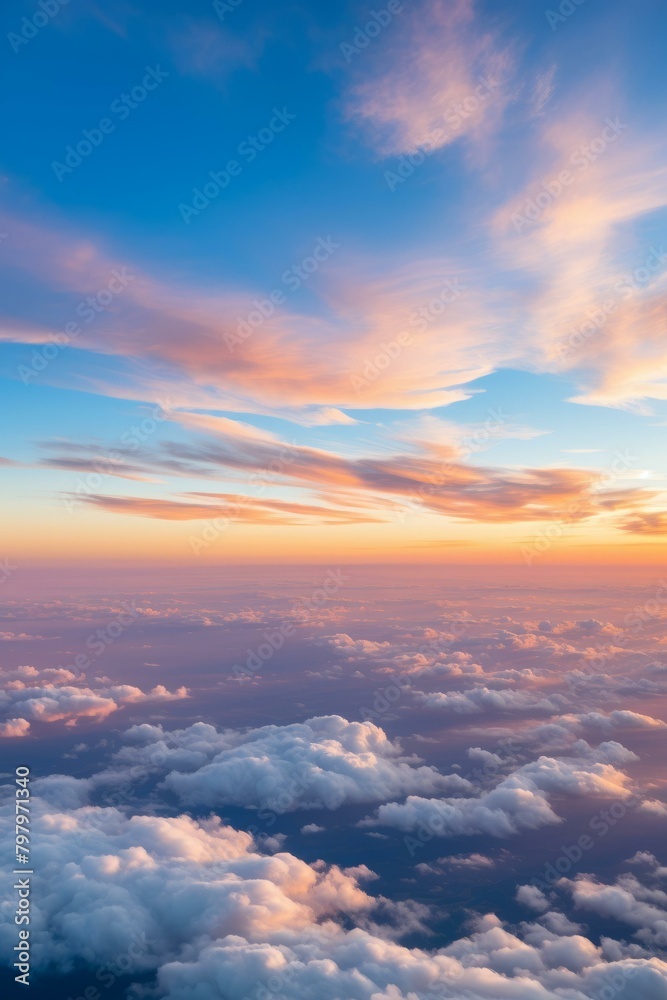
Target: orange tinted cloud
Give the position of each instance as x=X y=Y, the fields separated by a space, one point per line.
x=597 y=307
x=645 y=523
x=234 y=507
x=431 y=476
x=412 y=339
x=415 y=335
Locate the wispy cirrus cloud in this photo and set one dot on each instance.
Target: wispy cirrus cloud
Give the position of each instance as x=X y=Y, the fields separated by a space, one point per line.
x=646 y=523
x=595 y=305
x=196 y=347
x=430 y=475
x=239 y=508
x=411 y=336
x=203 y=47
x=414 y=89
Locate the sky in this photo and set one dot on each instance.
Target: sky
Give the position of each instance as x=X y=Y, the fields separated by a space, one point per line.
x=332 y=572
x=380 y=285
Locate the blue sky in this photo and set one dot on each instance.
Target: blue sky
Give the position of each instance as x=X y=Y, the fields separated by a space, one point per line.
x=334 y=380
x=415 y=155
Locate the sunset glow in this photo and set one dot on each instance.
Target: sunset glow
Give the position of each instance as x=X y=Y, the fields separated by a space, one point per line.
x=333 y=577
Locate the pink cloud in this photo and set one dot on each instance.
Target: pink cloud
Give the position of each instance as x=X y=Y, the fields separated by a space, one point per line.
x=437 y=75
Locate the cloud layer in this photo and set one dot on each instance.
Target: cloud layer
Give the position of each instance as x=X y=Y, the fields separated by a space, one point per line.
x=49 y=695
x=197 y=905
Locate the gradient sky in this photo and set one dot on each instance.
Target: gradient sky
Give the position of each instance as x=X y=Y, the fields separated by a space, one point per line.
x=332 y=587
x=472 y=365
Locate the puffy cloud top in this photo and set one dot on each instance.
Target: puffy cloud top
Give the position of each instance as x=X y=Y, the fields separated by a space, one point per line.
x=323 y=762
x=518 y=802
x=198 y=905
